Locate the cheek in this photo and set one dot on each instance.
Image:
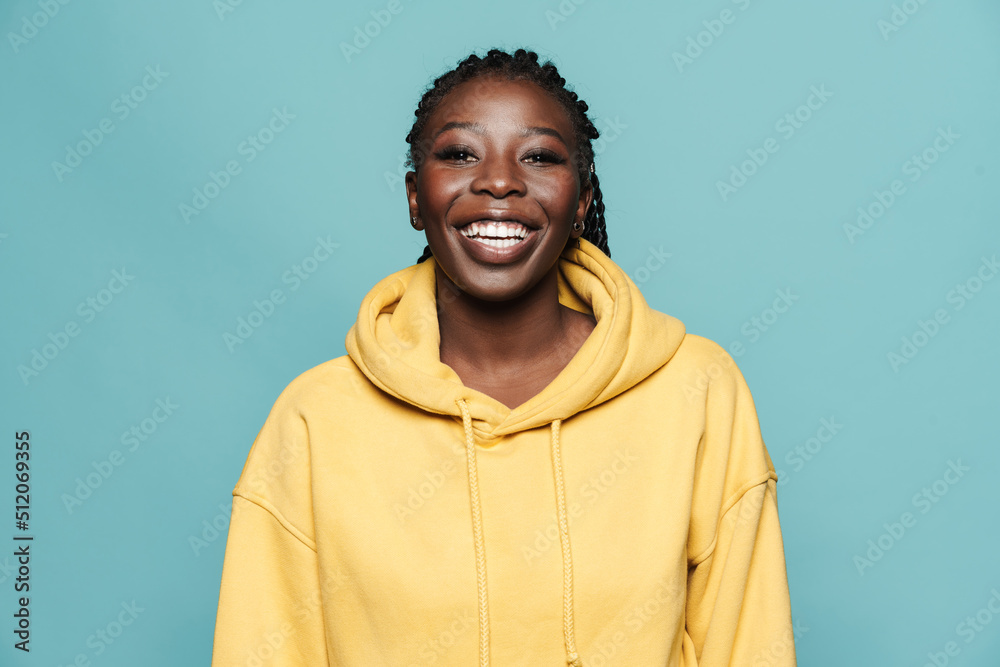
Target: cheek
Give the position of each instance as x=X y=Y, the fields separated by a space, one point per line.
x=437 y=191
x=558 y=195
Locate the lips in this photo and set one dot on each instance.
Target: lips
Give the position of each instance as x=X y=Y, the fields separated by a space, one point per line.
x=497 y=241
x=497 y=236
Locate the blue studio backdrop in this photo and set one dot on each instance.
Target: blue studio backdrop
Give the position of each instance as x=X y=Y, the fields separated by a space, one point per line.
x=196 y=195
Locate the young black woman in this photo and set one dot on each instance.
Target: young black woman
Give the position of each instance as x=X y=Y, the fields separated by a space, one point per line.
x=413 y=502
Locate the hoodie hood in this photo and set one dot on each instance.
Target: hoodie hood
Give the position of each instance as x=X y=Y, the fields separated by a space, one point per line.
x=396 y=344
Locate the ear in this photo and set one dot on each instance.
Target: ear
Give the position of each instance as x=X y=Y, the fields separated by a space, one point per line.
x=583 y=205
x=411 y=197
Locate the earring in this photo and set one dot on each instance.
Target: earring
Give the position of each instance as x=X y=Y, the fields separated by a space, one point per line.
x=577 y=226
x=413 y=221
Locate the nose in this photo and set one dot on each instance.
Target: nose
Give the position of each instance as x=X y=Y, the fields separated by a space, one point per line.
x=498 y=177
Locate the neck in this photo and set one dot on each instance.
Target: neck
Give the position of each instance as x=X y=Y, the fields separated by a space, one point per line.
x=500 y=337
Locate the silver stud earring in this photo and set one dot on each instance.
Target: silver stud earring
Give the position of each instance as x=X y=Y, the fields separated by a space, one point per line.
x=577 y=226
x=413 y=221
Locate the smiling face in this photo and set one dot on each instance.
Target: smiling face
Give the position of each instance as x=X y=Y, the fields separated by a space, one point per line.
x=498 y=189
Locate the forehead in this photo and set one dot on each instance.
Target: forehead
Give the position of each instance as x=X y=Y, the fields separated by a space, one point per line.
x=486 y=98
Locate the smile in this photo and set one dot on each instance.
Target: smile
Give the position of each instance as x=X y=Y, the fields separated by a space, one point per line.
x=502 y=234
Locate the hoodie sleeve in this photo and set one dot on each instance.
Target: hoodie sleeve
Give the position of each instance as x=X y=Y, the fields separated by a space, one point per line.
x=269 y=600
x=738 y=609
x=270 y=610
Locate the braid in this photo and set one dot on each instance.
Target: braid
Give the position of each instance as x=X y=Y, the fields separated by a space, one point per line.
x=594 y=229
x=521 y=65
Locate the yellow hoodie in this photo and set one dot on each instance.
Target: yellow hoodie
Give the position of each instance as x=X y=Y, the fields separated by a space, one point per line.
x=389 y=516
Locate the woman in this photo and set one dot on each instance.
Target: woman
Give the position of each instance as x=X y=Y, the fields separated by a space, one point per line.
x=518 y=462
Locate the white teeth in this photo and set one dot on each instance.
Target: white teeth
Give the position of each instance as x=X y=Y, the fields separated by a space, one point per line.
x=497 y=243
x=513 y=231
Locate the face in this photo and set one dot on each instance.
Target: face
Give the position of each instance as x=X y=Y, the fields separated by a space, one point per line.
x=498 y=190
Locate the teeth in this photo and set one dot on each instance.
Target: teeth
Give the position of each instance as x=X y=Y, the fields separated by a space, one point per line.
x=495 y=230
x=497 y=243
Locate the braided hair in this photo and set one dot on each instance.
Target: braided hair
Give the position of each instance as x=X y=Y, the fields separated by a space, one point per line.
x=522 y=65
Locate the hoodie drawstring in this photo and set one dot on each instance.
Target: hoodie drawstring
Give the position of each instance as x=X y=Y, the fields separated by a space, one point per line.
x=569 y=635
x=569 y=638
x=477 y=533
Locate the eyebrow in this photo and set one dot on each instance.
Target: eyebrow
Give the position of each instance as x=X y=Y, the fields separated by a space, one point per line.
x=479 y=129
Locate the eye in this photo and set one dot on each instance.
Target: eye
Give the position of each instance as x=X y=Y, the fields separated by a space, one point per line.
x=542 y=156
x=455 y=153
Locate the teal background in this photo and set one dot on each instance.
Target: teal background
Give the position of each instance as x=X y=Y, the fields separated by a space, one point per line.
x=672 y=133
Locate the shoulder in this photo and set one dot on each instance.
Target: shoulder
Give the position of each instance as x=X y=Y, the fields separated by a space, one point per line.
x=701 y=368
x=700 y=352
x=336 y=380
x=277 y=473
x=718 y=395
x=322 y=392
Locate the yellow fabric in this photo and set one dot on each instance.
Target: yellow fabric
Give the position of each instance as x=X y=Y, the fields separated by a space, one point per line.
x=626 y=515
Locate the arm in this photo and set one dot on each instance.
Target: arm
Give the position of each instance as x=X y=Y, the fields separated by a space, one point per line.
x=738 y=608
x=269 y=606
x=270 y=610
